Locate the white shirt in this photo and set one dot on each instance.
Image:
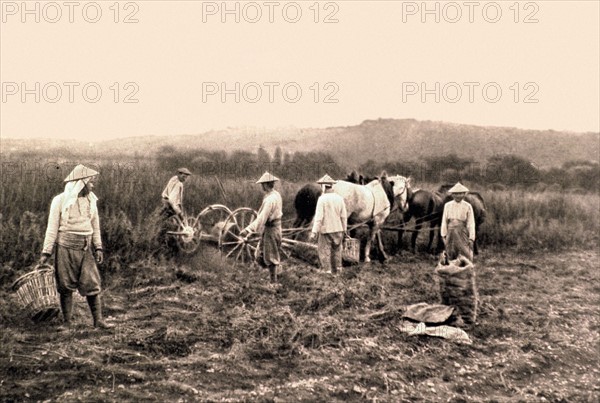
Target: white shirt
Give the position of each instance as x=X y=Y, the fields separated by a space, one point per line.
x=331 y=215
x=174 y=193
x=270 y=209
x=82 y=220
x=462 y=211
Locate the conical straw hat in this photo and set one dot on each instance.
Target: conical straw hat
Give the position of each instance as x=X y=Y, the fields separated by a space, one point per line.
x=326 y=180
x=80 y=172
x=267 y=177
x=458 y=188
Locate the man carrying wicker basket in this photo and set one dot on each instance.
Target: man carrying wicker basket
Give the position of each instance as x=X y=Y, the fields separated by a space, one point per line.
x=74 y=226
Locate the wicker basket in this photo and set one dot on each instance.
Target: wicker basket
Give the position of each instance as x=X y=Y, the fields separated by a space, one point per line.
x=351 y=250
x=36 y=292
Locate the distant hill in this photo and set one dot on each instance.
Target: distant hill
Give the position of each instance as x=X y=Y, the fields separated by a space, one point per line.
x=380 y=140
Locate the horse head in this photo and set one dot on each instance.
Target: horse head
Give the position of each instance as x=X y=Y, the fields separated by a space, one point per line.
x=359 y=179
x=388 y=188
x=401 y=186
x=354 y=177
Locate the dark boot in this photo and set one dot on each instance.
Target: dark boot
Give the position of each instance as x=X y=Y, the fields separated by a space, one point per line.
x=66 y=306
x=95 y=303
x=273 y=271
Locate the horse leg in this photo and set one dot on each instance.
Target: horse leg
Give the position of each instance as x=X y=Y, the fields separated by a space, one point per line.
x=418 y=225
x=399 y=241
x=368 y=249
x=431 y=233
x=405 y=219
x=382 y=255
x=298 y=223
x=370 y=240
x=438 y=243
x=475 y=249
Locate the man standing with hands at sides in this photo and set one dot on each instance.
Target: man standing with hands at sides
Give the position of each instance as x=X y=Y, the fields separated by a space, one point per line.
x=458 y=224
x=268 y=223
x=74 y=227
x=330 y=225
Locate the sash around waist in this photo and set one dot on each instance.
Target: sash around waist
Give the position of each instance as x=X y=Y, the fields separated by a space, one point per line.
x=74 y=241
x=455 y=222
x=273 y=223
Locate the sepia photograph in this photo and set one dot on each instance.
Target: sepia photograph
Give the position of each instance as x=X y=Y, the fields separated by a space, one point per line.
x=300 y=201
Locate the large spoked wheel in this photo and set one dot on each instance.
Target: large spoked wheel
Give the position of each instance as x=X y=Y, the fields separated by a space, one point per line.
x=232 y=245
x=187 y=234
x=211 y=220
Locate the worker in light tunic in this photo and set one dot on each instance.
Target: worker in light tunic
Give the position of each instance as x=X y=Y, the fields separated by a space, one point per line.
x=172 y=206
x=458 y=224
x=268 y=224
x=73 y=234
x=330 y=224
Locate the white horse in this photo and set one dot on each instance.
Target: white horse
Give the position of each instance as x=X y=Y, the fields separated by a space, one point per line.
x=372 y=203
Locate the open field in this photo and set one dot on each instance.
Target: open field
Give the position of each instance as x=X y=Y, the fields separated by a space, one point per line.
x=518 y=220
x=199 y=330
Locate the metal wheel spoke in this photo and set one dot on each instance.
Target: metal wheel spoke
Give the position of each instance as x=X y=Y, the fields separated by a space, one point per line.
x=239 y=238
x=237 y=257
x=230 y=243
x=233 y=249
x=250 y=256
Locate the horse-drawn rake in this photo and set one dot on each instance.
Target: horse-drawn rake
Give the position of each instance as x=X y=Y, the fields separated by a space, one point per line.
x=220 y=226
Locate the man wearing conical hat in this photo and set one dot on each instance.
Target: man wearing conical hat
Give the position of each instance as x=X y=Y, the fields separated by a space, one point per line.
x=73 y=233
x=458 y=224
x=268 y=224
x=330 y=225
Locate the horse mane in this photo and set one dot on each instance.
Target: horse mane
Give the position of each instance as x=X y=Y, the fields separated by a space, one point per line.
x=388 y=188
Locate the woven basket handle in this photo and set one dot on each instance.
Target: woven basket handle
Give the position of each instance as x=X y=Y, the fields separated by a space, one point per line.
x=41 y=266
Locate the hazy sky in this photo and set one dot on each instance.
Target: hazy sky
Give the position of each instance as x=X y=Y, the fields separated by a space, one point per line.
x=375 y=61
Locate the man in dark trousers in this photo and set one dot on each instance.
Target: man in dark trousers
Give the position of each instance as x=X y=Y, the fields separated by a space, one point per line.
x=172 y=206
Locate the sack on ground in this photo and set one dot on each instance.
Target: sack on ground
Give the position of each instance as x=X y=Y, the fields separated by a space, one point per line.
x=457 y=287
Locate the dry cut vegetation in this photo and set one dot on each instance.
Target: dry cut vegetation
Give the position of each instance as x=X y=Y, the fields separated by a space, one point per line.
x=200 y=330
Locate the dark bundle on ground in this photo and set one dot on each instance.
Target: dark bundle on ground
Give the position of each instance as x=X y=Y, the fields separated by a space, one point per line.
x=457 y=287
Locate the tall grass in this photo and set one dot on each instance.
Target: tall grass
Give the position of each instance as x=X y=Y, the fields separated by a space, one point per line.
x=548 y=220
x=128 y=203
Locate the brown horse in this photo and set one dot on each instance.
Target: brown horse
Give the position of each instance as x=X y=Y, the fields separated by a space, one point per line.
x=425 y=207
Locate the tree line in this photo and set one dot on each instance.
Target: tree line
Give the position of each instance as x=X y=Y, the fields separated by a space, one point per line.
x=498 y=172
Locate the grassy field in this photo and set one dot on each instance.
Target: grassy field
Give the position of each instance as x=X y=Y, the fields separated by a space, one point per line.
x=199 y=329
x=519 y=220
